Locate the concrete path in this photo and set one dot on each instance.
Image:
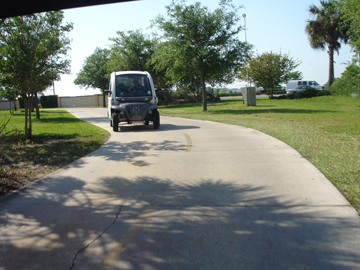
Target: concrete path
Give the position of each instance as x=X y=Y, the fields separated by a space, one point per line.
x=192 y=195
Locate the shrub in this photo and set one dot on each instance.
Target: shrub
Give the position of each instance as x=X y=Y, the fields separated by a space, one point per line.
x=49 y=101
x=308 y=93
x=283 y=97
x=6 y=136
x=180 y=95
x=165 y=96
x=229 y=94
x=192 y=99
x=349 y=83
x=346 y=86
x=22 y=104
x=212 y=94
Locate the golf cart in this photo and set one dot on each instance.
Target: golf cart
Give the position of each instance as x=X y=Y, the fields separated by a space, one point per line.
x=132 y=98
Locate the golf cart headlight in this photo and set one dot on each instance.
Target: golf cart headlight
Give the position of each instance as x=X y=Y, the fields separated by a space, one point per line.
x=150 y=112
x=148 y=98
x=121 y=99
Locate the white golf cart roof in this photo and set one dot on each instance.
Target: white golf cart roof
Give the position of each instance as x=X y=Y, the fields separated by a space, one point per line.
x=131 y=72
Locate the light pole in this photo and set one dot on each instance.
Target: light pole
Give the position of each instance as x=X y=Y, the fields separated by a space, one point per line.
x=247 y=69
x=244 y=16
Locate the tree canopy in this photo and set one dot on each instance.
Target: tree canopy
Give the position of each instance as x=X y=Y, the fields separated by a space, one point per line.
x=270 y=70
x=349 y=82
x=33 y=52
x=94 y=71
x=350 y=10
x=327 y=30
x=133 y=50
x=200 y=47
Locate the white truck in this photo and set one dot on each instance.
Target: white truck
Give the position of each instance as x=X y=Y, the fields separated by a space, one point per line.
x=298 y=85
x=132 y=98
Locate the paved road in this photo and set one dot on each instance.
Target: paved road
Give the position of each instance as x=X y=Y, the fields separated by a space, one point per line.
x=192 y=195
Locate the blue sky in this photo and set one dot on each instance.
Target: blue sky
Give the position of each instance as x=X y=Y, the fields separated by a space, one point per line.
x=277 y=26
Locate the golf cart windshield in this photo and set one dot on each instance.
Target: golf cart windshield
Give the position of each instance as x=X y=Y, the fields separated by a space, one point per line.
x=132 y=85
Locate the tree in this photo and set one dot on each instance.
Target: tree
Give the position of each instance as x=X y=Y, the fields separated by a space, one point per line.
x=132 y=50
x=10 y=94
x=269 y=70
x=350 y=10
x=327 y=30
x=349 y=83
x=94 y=71
x=33 y=53
x=201 y=47
x=296 y=75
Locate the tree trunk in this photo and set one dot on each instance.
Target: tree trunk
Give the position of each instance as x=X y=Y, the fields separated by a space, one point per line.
x=10 y=106
x=103 y=98
x=26 y=105
x=331 y=66
x=268 y=93
x=31 y=101
x=37 y=106
x=204 y=93
x=271 y=93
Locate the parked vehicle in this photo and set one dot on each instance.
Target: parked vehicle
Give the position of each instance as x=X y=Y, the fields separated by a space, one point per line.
x=298 y=83
x=132 y=98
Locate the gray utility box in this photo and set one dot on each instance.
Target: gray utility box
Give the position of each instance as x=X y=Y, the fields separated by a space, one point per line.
x=249 y=95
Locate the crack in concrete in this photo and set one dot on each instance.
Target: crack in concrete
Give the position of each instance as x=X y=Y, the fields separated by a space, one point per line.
x=84 y=248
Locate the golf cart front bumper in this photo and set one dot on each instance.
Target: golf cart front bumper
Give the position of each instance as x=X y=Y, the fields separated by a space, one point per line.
x=130 y=112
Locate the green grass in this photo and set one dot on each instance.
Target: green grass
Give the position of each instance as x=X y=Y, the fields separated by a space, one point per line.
x=54 y=124
x=325 y=130
x=58 y=139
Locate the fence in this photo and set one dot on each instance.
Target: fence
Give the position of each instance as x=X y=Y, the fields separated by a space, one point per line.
x=5 y=105
x=82 y=101
x=65 y=102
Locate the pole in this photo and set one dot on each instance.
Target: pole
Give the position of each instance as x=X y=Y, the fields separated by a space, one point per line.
x=244 y=15
x=247 y=70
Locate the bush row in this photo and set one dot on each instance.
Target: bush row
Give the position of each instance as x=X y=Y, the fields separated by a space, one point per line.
x=48 y=101
x=229 y=94
x=169 y=97
x=307 y=93
x=45 y=102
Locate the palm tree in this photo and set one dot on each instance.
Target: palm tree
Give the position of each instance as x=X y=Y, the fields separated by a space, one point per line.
x=326 y=30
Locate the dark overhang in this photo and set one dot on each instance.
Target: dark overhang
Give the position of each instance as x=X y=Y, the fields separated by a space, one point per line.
x=12 y=8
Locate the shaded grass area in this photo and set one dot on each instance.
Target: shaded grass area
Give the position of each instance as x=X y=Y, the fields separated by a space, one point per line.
x=325 y=130
x=58 y=139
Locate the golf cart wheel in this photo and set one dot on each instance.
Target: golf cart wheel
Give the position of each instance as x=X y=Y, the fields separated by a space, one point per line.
x=115 y=122
x=156 y=120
